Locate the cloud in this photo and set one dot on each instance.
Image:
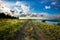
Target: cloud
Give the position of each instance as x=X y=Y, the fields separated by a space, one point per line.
x=25 y=8
x=43 y=1
x=8 y=6
x=53 y=3
x=44 y=13
x=47 y=7
x=18 y=3
x=5 y=7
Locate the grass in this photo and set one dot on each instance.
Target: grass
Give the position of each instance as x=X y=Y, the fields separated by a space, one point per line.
x=9 y=28
x=53 y=31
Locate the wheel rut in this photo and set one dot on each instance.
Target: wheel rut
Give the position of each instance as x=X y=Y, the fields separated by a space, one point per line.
x=30 y=32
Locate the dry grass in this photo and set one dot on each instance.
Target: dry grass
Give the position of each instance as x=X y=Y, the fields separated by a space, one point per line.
x=51 y=30
x=9 y=27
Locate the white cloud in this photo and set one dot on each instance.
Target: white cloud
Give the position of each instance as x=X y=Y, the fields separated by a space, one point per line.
x=43 y=13
x=5 y=7
x=47 y=7
x=53 y=3
x=43 y=1
x=23 y=7
x=8 y=6
x=18 y=3
x=17 y=9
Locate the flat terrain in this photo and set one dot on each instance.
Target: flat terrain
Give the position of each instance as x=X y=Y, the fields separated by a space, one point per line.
x=15 y=29
x=31 y=32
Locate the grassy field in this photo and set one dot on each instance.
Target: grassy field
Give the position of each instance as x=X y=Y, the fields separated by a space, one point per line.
x=9 y=28
x=53 y=31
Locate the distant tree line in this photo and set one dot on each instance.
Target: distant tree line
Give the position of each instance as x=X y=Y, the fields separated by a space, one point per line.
x=58 y=24
x=2 y=15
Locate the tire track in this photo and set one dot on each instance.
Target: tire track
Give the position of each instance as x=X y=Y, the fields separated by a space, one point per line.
x=30 y=31
x=22 y=33
x=39 y=35
x=26 y=33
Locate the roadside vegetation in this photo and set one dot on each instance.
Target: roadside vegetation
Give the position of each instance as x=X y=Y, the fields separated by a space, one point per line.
x=9 y=28
x=53 y=31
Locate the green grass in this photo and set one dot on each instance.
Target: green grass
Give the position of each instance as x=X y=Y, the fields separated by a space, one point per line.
x=53 y=31
x=9 y=28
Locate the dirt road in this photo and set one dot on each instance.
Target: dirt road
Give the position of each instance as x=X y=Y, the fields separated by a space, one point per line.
x=30 y=32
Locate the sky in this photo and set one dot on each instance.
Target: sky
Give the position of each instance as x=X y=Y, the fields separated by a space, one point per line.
x=34 y=6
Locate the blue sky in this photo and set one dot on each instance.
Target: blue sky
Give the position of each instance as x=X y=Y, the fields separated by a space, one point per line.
x=38 y=6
